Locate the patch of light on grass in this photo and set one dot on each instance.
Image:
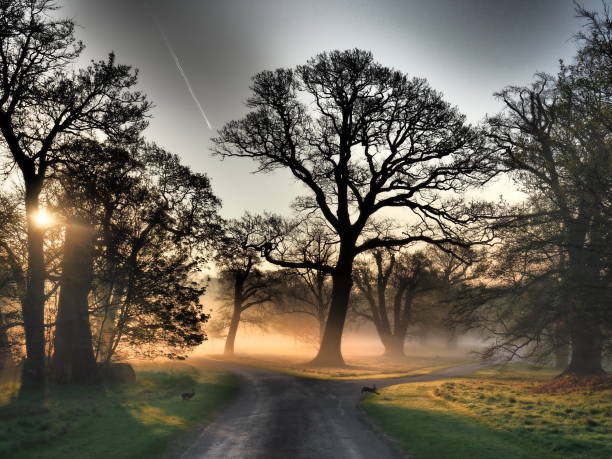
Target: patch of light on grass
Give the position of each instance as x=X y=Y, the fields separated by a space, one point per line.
x=152 y=416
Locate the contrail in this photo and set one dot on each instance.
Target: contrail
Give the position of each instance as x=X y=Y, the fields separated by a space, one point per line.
x=180 y=68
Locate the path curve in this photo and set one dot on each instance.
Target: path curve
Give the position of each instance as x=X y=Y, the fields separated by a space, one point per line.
x=282 y=416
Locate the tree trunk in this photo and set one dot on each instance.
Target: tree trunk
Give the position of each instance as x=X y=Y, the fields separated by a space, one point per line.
x=451 y=339
x=586 y=354
x=230 y=341
x=585 y=331
x=73 y=360
x=562 y=354
x=394 y=346
x=330 y=352
x=33 y=303
x=321 y=323
x=424 y=335
x=231 y=333
x=560 y=346
x=108 y=327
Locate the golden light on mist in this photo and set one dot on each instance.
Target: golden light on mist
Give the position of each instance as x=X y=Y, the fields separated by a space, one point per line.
x=43 y=218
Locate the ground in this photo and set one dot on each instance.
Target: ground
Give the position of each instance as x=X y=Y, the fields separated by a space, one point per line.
x=357 y=368
x=119 y=421
x=460 y=411
x=496 y=413
x=282 y=416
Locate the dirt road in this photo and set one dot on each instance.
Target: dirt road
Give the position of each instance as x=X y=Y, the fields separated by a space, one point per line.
x=281 y=416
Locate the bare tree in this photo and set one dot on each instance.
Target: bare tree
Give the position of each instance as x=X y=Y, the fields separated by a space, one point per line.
x=391 y=283
x=308 y=291
x=453 y=274
x=362 y=138
x=244 y=284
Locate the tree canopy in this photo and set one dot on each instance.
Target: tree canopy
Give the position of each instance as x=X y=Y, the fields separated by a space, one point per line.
x=362 y=138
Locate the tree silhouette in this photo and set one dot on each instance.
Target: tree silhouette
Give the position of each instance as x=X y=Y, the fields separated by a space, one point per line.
x=43 y=103
x=308 y=291
x=245 y=285
x=391 y=286
x=555 y=135
x=12 y=279
x=516 y=296
x=362 y=138
x=155 y=231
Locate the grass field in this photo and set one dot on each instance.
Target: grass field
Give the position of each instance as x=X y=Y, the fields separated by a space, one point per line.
x=112 y=422
x=495 y=413
x=356 y=368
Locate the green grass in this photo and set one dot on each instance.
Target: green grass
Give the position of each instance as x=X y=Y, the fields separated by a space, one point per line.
x=495 y=414
x=356 y=367
x=116 y=422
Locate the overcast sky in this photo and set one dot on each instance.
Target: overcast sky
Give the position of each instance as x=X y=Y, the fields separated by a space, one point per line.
x=467 y=49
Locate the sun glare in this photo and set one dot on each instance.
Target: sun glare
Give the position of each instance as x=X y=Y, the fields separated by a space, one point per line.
x=42 y=218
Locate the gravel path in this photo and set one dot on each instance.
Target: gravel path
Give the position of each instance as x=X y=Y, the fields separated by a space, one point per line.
x=281 y=416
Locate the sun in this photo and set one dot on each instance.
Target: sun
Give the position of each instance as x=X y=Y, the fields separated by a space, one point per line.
x=42 y=218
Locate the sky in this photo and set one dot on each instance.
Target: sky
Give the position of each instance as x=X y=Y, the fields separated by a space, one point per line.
x=204 y=53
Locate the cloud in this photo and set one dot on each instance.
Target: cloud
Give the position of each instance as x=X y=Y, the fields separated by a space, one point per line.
x=180 y=68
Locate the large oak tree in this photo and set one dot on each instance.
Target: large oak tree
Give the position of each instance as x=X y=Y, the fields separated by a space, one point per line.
x=361 y=138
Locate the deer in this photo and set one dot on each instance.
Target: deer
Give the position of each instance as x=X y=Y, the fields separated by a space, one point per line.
x=370 y=389
x=188 y=395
